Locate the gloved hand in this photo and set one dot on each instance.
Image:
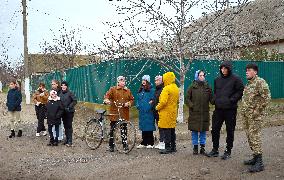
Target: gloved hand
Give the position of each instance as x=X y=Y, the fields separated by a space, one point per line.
x=128 y=104
x=38 y=103
x=107 y=101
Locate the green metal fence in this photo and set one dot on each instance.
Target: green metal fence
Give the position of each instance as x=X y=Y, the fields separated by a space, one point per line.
x=90 y=83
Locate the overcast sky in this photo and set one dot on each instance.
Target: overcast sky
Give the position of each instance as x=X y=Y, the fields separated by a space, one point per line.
x=45 y=18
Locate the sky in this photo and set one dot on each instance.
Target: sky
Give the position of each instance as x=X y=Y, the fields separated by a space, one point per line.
x=46 y=17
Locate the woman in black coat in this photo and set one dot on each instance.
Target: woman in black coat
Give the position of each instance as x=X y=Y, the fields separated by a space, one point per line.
x=54 y=109
x=69 y=101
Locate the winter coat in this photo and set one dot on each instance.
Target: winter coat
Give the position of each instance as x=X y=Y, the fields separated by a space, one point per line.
x=42 y=99
x=198 y=96
x=168 y=102
x=14 y=100
x=146 y=115
x=54 y=111
x=68 y=100
x=158 y=91
x=228 y=90
x=120 y=96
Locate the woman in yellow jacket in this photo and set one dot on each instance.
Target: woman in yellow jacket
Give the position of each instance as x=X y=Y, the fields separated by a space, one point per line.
x=167 y=108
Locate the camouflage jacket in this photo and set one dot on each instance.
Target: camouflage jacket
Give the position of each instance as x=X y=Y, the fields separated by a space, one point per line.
x=256 y=96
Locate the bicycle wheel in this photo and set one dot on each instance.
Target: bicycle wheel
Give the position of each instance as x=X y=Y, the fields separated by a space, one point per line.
x=93 y=134
x=124 y=136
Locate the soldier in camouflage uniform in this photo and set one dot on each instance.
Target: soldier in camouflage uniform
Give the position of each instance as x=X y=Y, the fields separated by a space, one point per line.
x=255 y=99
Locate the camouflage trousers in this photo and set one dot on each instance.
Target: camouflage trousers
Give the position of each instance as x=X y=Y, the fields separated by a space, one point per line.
x=252 y=127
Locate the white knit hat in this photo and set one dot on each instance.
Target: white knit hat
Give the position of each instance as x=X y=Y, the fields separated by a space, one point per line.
x=120 y=78
x=146 y=78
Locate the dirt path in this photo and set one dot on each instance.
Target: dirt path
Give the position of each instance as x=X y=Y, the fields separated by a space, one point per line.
x=29 y=158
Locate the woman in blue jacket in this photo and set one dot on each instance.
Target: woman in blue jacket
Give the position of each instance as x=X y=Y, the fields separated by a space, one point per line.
x=146 y=96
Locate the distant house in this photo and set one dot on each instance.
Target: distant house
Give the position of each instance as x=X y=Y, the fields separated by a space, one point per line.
x=257 y=25
x=45 y=63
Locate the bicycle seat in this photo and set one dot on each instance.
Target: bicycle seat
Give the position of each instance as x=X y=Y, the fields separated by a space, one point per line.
x=100 y=111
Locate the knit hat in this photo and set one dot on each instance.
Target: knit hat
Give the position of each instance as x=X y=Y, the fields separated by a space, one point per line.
x=120 y=78
x=53 y=92
x=65 y=83
x=146 y=78
x=160 y=78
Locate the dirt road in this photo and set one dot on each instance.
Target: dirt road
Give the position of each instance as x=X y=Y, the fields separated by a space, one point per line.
x=28 y=157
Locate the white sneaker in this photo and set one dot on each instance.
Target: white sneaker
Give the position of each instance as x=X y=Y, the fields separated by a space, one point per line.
x=162 y=146
x=44 y=133
x=158 y=145
x=140 y=146
x=149 y=147
x=37 y=134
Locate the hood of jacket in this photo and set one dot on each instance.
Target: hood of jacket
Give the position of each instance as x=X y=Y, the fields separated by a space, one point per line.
x=227 y=65
x=169 y=78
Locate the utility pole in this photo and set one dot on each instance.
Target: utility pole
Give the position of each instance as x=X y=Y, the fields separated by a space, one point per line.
x=26 y=60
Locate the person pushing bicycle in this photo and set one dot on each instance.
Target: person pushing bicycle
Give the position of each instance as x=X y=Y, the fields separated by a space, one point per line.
x=118 y=94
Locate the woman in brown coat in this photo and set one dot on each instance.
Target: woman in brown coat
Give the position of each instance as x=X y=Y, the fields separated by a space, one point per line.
x=40 y=100
x=119 y=94
x=198 y=97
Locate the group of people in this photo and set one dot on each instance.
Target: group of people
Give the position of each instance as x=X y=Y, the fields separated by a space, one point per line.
x=56 y=106
x=158 y=106
x=228 y=90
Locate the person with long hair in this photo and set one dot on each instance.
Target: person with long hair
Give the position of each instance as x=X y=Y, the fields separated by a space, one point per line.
x=146 y=95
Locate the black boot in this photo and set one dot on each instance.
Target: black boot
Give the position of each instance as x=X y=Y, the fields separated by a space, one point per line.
x=12 y=134
x=167 y=149
x=20 y=133
x=195 y=149
x=51 y=141
x=251 y=161
x=258 y=166
x=213 y=153
x=55 y=142
x=111 y=145
x=202 y=149
x=226 y=155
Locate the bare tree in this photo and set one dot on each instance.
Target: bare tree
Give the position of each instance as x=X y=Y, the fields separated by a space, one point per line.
x=62 y=51
x=169 y=30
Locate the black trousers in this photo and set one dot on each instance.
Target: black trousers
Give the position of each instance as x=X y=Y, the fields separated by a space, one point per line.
x=67 y=119
x=169 y=135
x=218 y=118
x=40 y=114
x=56 y=130
x=147 y=138
x=123 y=132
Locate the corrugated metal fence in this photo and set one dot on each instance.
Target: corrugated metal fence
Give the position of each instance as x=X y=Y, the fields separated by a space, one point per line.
x=90 y=83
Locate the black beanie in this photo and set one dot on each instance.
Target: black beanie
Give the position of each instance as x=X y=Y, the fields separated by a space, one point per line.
x=65 y=83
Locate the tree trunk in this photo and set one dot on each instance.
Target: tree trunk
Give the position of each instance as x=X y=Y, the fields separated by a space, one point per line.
x=181 y=98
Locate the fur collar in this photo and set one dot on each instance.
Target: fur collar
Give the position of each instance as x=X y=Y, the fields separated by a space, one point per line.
x=57 y=98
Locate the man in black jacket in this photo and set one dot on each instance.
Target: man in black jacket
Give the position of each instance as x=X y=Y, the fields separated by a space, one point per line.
x=228 y=90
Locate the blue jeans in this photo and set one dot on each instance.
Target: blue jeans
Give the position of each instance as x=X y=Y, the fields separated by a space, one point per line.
x=202 y=137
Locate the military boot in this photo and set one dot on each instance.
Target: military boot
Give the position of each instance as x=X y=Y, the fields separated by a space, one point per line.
x=250 y=161
x=258 y=166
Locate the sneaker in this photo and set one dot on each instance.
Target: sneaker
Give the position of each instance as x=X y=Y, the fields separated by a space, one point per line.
x=226 y=155
x=162 y=146
x=149 y=147
x=44 y=133
x=37 y=134
x=140 y=146
x=213 y=153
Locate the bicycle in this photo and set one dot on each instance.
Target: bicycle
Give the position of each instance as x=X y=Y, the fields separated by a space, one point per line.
x=124 y=132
